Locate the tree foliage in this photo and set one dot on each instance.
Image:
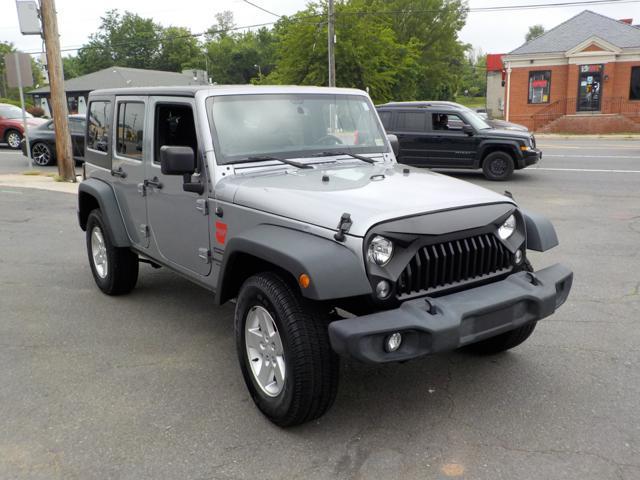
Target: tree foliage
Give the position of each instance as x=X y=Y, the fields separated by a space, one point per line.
x=13 y=93
x=534 y=32
x=397 y=49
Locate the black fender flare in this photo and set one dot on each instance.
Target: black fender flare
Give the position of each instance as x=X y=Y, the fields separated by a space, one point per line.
x=93 y=191
x=541 y=235
x=510 y=144
x=335 y=271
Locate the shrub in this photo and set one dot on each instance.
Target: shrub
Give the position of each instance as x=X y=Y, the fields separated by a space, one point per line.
x=36 y=111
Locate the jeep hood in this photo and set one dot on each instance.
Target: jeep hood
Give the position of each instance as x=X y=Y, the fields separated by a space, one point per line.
x=369 y=193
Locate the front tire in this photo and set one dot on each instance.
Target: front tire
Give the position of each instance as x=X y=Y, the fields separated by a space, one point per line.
x=507 y=340
x=114 y=269
x=498 y=166
x=283 y=347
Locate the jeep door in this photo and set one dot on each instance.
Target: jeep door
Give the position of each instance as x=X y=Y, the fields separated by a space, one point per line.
x=130 y=153
x=449 y=145
x=178 y=219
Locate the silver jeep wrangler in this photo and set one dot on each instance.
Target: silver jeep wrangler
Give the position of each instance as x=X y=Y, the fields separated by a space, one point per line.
x=290 y=201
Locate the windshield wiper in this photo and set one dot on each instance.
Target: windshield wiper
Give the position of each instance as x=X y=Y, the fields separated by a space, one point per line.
x=264 y=158
x=329 y=154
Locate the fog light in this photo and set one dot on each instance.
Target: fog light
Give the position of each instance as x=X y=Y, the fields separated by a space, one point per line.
x=393 y=342
x=518 y=257
x=383 y=289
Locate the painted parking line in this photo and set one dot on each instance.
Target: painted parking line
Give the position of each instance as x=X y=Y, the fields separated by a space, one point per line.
x=545 y=155
x=595 y=170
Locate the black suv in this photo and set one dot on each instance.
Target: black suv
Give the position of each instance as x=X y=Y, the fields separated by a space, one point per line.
x=448 y=135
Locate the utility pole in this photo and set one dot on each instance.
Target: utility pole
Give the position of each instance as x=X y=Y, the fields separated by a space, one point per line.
x=332 y=42
x=64 y=152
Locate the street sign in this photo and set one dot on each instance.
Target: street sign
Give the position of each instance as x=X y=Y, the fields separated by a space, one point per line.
x=23 y=77
x=28 y=17
x=18 y=69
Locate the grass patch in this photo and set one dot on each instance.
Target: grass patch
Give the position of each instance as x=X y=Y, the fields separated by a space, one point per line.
x=472 y=102
x=32 y=172
x=58 y=178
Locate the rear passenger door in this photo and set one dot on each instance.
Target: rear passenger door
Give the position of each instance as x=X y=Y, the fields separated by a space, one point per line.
x=130 y=153
x=410 y=126
x=179 y=220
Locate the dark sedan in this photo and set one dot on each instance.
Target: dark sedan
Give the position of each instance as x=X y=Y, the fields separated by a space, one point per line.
x=43 y=141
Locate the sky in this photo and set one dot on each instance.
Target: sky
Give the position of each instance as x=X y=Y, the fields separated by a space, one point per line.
x=492 y=32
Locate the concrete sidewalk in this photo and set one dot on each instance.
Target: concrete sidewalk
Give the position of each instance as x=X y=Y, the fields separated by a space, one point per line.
x=41 y=182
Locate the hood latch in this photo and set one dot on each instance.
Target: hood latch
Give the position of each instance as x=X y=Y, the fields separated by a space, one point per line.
x=343 y=227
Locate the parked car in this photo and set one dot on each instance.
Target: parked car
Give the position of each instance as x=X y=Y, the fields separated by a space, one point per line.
x=43 y=141
x=290 y=201
x=11 y=126
x=449 y=135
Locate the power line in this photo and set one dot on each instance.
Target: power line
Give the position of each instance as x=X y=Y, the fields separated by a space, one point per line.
x=262 y=8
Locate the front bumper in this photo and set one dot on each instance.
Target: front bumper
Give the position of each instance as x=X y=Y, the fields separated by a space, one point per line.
x=531 y=157
x=452 y=321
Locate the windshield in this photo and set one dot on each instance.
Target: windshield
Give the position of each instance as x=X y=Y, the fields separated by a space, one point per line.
x=475 y=120
x=293 y=125
x=9 y=111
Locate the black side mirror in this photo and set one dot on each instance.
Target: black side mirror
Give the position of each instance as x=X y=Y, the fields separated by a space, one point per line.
x=468 y=129
x=395 y=144
x=177 y=160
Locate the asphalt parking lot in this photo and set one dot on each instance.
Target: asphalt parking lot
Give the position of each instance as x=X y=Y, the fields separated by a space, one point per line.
x=148 y=386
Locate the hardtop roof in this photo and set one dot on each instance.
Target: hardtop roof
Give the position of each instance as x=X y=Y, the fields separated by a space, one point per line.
x=192 y=90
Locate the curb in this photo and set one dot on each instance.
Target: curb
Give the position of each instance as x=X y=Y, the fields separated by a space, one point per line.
x=39 y=182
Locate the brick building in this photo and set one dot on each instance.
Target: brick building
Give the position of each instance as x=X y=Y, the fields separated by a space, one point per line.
x=582 y=76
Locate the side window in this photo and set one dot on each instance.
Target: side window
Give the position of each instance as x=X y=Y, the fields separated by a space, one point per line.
x=99 y=125
x=444 y=121
x=130 y=129
x=411 y=121
x=386 y=119
x=174 y=126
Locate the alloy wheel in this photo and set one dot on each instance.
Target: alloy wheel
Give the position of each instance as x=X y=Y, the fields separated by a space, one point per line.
x=99 y=253
x=265 y=351
x=13 y=139
x=41 y=154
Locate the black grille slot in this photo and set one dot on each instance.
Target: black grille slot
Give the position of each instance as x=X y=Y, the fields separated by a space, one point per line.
x=447 y=264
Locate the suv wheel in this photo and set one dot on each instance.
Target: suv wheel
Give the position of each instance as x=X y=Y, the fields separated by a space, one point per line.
x=507 y=340
x=498 y=166
x=284 y=352
x=41 y=154
x=114 y=269
x=13 y=139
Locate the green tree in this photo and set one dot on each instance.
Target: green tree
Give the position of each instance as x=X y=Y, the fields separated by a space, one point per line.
x=71 y=67
x=126 y=40
x=368 y=53
x=534 y=32
x=179 y=49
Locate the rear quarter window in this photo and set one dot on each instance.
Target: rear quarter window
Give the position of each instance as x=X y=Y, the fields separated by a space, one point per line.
x=99 y=119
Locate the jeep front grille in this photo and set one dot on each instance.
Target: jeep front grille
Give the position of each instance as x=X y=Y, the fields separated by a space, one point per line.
x=455 y=262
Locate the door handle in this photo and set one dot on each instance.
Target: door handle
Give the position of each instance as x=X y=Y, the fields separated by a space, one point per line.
x=119 y=173
x=154 y=182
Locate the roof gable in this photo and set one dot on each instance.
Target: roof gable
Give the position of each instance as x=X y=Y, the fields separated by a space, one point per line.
x=575 y=31
x=121 y=77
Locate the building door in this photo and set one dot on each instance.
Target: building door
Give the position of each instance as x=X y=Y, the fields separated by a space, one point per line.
x=589 y=88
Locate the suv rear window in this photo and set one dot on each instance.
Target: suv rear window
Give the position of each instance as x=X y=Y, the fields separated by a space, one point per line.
x=99 y=119
x=130 y=129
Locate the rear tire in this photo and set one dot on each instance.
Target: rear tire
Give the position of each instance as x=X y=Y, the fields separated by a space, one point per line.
x=114 y=269
x=498 y=166
x=42 y=154
x=306 y=381
x=13 y=139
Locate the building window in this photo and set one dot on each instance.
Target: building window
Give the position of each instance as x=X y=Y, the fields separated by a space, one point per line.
x=634 y=92
x=99 y=121
x=130 y=128
x=539 y=86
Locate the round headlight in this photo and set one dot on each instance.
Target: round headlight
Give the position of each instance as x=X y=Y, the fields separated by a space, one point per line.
x=507 y=228
x=380 y=251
